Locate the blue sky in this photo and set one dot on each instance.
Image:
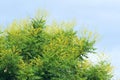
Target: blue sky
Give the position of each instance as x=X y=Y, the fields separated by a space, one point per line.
x=102 y=16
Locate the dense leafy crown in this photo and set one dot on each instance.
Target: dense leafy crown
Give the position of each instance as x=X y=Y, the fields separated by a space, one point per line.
x=36 y=51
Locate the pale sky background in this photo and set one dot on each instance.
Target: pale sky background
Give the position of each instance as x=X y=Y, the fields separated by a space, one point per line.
x=102 y=16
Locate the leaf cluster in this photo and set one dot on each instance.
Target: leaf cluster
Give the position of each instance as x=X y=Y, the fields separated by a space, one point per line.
x=36 y=51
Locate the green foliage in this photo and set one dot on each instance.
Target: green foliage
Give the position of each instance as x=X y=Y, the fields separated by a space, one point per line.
x=36 y=51
x=99 y=71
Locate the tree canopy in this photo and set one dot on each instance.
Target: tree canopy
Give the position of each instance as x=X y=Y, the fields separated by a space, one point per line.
x=34 y=50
